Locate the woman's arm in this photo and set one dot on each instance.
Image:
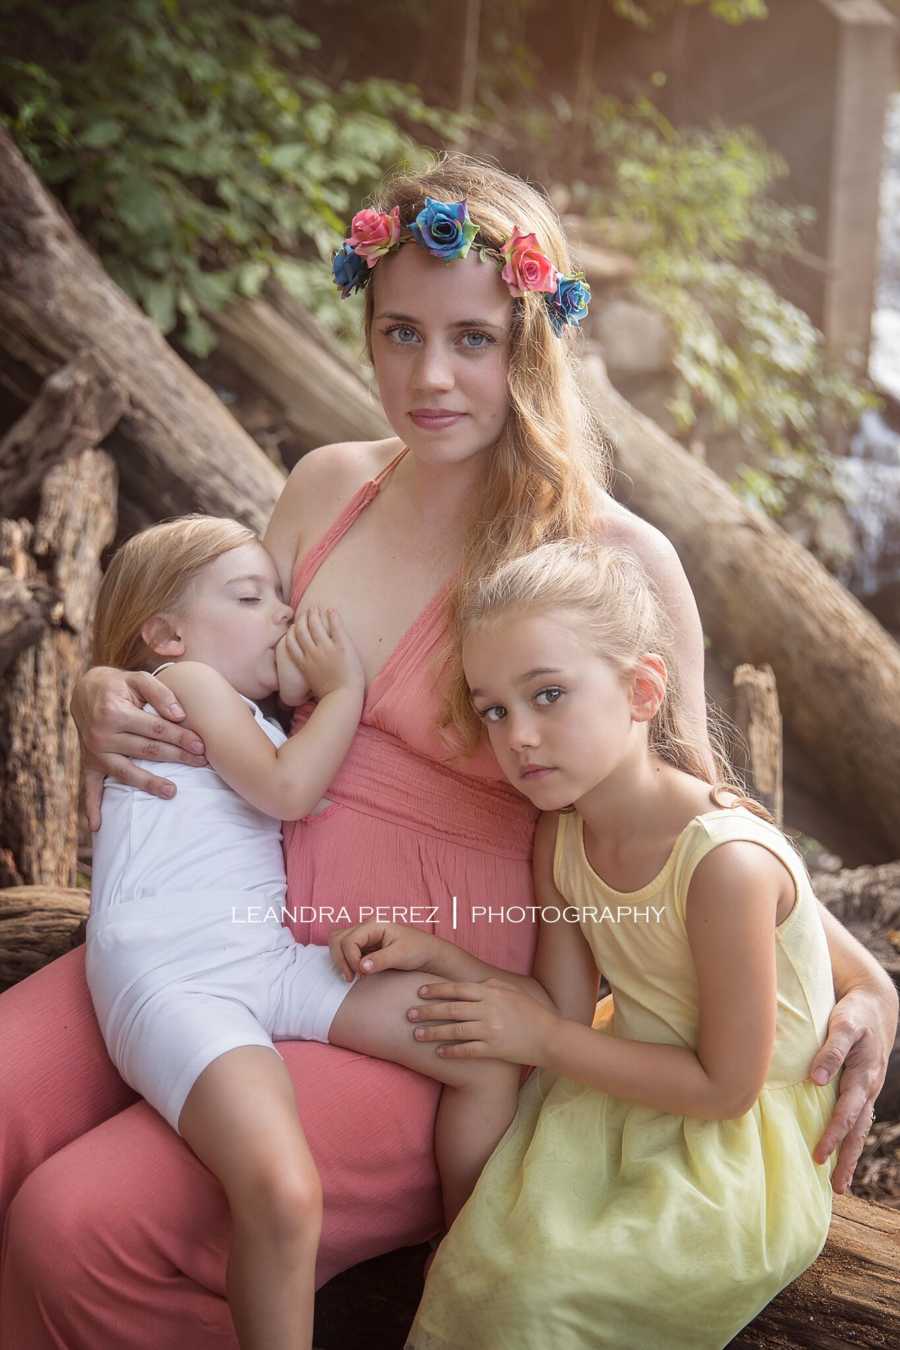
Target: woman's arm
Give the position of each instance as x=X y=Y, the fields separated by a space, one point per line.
x=861 y=1035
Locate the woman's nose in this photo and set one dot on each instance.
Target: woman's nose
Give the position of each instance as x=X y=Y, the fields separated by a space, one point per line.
x=435 y=369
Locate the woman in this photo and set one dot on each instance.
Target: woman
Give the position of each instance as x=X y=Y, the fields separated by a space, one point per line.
x=116 y=1234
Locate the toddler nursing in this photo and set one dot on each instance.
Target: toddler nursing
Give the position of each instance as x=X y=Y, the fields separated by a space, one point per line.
x=688 y=1110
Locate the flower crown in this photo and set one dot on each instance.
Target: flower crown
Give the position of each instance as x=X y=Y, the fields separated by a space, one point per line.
x=447 y=231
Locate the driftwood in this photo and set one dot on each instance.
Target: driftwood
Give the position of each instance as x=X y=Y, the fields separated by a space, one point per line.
x=39 y=756
x=38 y=924
x=764 y=598
x=177 y=447
x=285 y=353
x=758 y=719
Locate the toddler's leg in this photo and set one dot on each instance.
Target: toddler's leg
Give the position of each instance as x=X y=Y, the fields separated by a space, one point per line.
x=479 y=1097
x=240 y=1118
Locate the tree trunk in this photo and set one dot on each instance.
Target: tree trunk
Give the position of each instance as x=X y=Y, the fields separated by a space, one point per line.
x=758 y=719
x=39 y=756
x=177 y=447
x=38 y=924
x=764 y=598
x=848 y=1297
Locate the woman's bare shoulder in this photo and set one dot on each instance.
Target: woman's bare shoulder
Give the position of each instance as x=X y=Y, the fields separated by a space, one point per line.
x=316 y=491
x=617 y=525
x=342 y=467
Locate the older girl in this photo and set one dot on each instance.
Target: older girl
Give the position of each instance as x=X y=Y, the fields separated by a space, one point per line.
x=491 y=454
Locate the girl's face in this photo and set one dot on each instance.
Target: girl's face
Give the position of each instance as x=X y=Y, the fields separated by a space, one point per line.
x=440 y=344
x=559 y=717
x=231 y=618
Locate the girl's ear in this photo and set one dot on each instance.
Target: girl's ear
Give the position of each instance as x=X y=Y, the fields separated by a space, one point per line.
x=648 y=687
x=162 y=637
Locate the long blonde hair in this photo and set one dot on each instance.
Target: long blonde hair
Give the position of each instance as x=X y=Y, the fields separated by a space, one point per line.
x=149 y=574
x=623 y=620
x=551 y=464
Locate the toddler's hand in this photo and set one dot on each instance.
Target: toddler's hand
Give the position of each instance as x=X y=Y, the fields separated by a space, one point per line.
x=293 y=688
x=321 y=649
x=368 y=947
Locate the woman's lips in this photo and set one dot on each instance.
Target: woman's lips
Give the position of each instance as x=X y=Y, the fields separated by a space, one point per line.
x=435 y=421
x=539 y=771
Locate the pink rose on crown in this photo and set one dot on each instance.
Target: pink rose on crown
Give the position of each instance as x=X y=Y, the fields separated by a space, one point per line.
x=374 y=233
x=526 y=267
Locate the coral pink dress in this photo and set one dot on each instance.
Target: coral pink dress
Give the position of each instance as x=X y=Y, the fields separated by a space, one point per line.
x=114 y=1233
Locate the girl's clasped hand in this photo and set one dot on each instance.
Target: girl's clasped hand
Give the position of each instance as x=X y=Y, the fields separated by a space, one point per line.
x=487 y=1019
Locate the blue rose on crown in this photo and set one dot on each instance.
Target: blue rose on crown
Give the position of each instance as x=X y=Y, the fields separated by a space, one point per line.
x=447 y=231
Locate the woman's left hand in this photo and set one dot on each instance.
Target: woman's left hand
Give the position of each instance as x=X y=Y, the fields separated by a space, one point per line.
x=485 y=1020
x=860 y=1036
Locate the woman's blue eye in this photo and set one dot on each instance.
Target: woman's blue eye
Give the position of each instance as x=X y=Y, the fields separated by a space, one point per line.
x=484 y=339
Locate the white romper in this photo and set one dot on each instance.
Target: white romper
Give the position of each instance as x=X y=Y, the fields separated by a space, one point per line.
x=186 y=955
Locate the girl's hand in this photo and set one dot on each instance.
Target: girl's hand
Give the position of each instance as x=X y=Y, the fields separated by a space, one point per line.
x=322 y=651
x=293 y=688
x=369 y=947
x=854 y=1043
x=488 y=1020
x=107 y=707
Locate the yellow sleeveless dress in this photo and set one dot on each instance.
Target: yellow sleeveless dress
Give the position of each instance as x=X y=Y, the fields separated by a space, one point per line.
x=597 y=1222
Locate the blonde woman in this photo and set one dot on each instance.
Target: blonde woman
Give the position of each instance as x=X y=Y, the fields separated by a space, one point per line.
x=492 y=455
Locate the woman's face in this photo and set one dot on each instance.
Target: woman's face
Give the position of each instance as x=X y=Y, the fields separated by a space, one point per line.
x=440 y=344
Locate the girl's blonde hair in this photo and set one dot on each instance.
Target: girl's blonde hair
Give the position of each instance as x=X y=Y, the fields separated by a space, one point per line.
x=149 y=575
x=622 y=619
x=550 y=465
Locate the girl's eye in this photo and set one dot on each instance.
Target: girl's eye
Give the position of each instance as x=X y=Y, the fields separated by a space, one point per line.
x=551 y=695
x=495 y=713
x=250 y=599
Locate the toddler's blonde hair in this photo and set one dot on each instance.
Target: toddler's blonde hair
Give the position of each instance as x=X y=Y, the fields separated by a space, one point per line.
x=149 y=574
x=623 y=620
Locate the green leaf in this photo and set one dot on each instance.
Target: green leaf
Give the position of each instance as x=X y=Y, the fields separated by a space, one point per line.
x=198 y=337
x=251 y=277
x=98 y=135
x=159 y=302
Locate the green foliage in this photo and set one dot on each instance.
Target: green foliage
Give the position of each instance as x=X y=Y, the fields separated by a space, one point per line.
x=194 y=148
x=730 y=11
x=746 y=358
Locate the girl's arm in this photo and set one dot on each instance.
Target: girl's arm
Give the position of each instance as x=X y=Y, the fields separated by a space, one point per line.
x=732 y=903
x=285 y=783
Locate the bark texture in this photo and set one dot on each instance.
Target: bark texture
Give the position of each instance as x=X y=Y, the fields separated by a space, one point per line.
x=59 y=556
x=177 y=447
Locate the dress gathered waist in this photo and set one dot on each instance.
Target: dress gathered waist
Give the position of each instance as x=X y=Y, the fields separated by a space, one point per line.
x=382 y=777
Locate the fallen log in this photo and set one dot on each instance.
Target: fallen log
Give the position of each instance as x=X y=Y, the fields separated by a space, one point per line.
x=39 y=753
x=38 y=924
x=764 y=599
x=848 y=1297
x=758 y=719
x=287 y=355
x=177 y=447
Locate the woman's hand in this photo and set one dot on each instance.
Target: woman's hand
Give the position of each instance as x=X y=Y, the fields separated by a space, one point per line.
x=860 y=1036
x=107 y=707
x=369 y=947
x=488 y=1020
